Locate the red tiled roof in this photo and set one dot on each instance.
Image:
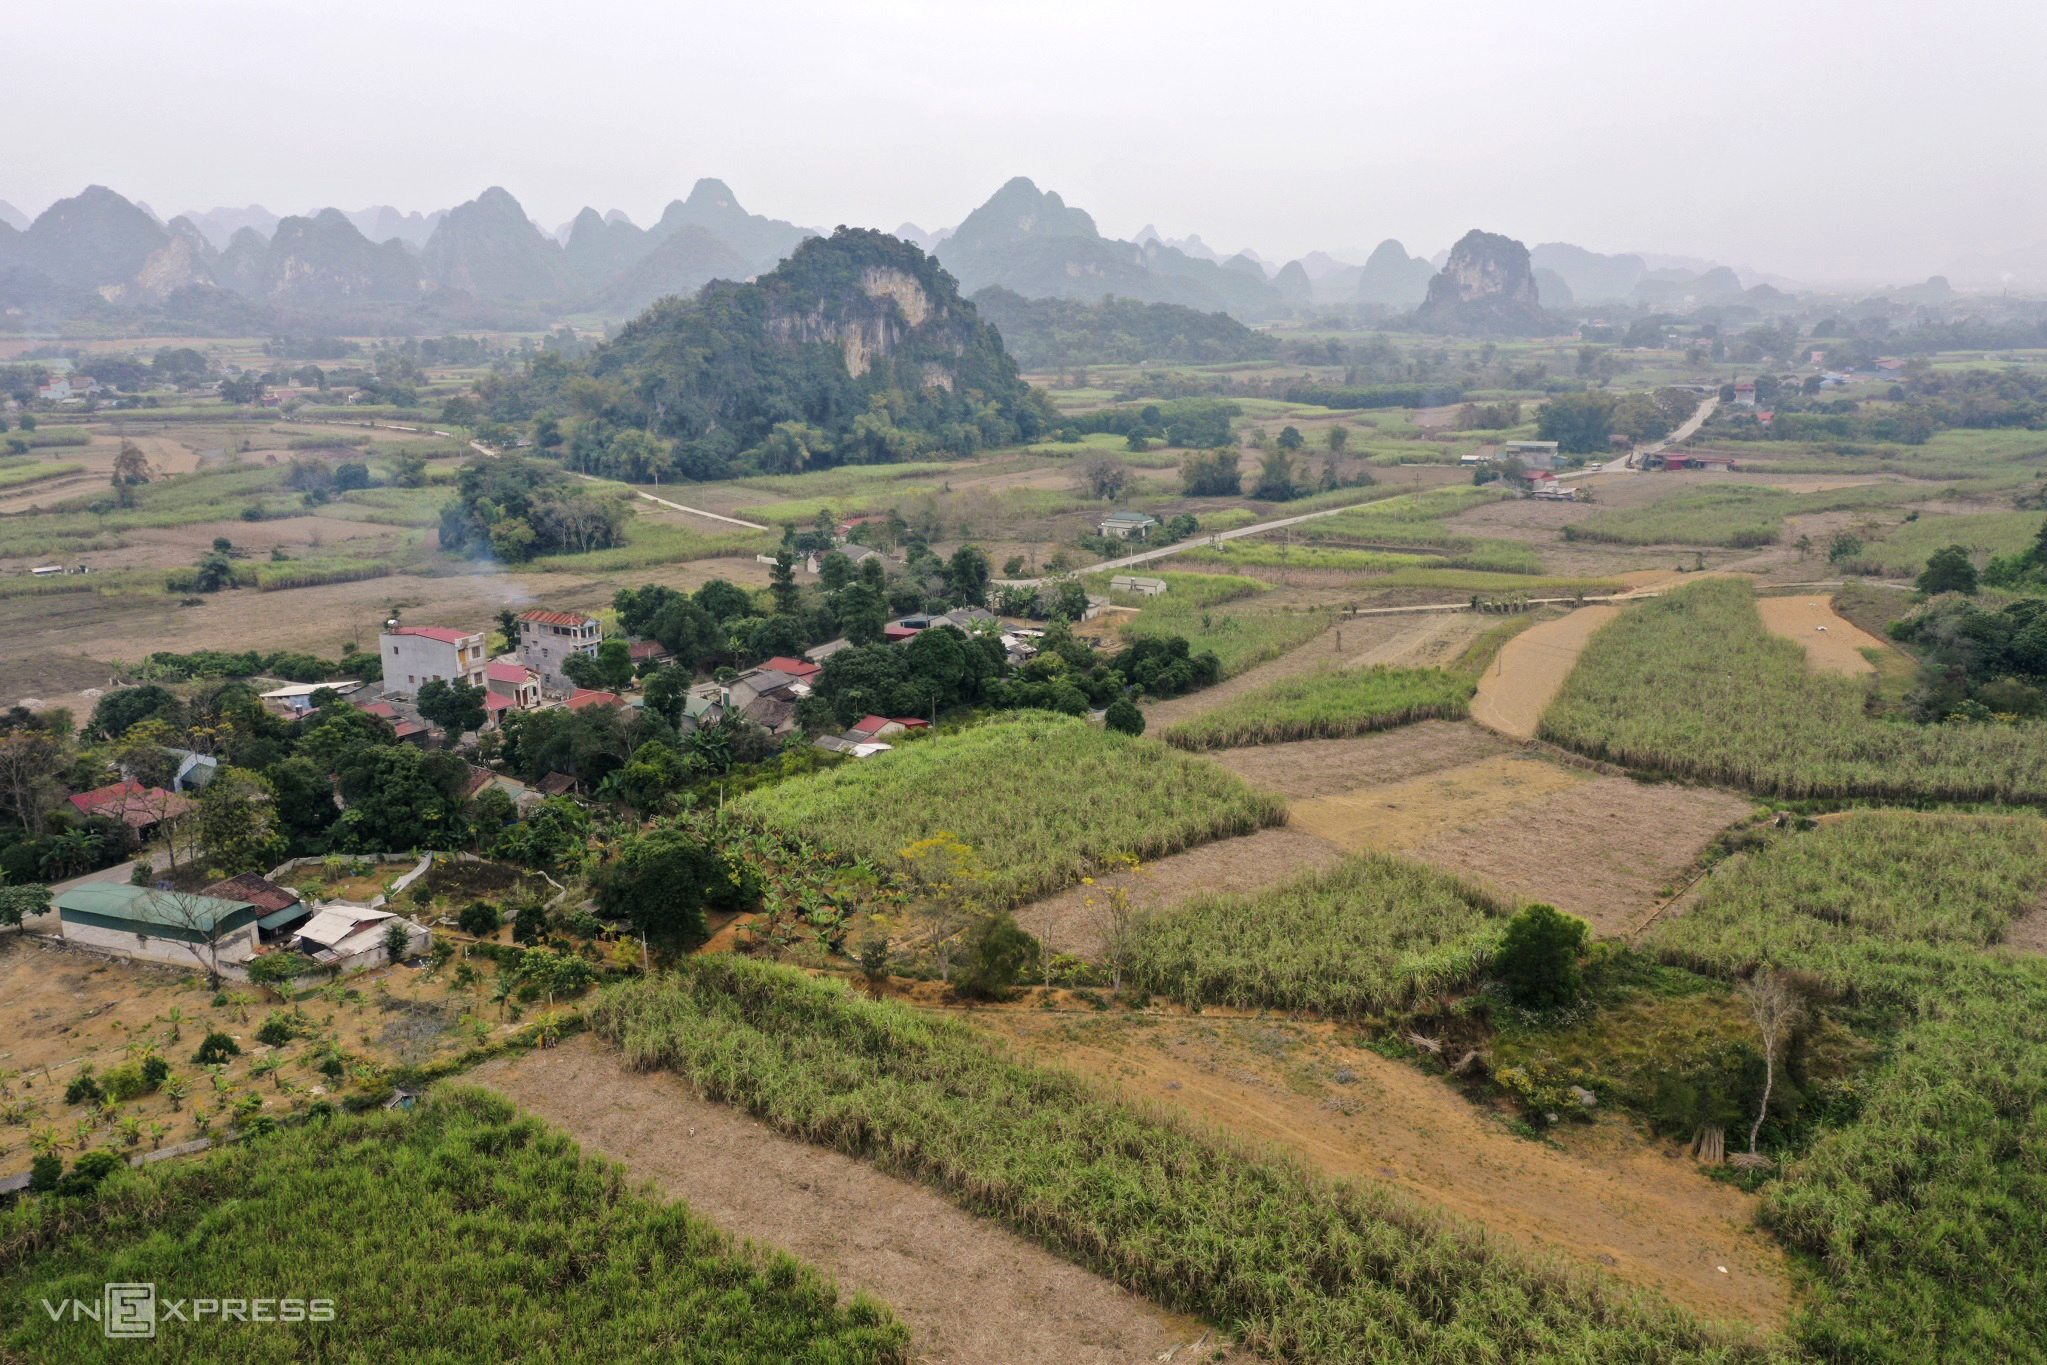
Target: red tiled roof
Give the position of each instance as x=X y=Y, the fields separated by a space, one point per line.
x=586 y=698
x=497 y=701
x=795 y=668
x=867 y=725
x=406 y=729
x=132 y=804
x=382 y=710
x=646 y=649
x=558 y=618
x=499 y=671
x=479 y=778
x=896 y=632
x=265 y=895
x=447 y=635
x=555 y=784
x=99 y=796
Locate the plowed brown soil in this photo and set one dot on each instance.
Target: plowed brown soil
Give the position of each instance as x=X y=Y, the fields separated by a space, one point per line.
x=1832 y=643
x=968 y=1289
x=1611 y=1198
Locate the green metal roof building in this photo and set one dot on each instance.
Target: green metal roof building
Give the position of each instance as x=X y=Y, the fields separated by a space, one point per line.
x=142 y=921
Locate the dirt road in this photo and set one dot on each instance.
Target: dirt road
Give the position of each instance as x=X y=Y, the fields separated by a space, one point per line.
x=1531 y=669
x=970 y=1290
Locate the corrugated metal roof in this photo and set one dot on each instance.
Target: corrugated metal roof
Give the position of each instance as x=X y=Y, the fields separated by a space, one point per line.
x=148 y=905
x=558 y=618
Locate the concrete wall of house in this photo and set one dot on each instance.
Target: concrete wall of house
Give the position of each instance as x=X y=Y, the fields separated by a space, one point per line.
x=410 y=660
x=542 y=648
x=168 y=950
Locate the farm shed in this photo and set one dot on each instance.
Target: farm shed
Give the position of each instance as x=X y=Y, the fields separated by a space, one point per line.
x=156 y=925
x=279 y=907
x=1125 y=525
x=345 y=936
x=1136 y=583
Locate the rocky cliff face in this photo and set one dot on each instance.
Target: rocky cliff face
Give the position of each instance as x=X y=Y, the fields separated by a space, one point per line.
x=325 y=260
x=1486 y=287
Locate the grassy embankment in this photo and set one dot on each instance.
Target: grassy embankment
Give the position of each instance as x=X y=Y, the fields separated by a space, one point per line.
x=1225 y=613
x=460 y=1231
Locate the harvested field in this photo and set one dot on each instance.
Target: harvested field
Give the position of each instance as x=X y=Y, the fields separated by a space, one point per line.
x=1611 y=1198
x=1072 y=924
x=1403 y=814
x=1531 y=669
x=969 y=1289
x=1608 y=853
x=1329 y=767
x=1832 y=643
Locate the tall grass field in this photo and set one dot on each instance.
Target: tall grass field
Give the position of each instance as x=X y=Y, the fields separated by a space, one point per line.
x=1327 y=704
x=1692 y=684
x=1299 y=1268
x=1042 y=799
x=459 y=1232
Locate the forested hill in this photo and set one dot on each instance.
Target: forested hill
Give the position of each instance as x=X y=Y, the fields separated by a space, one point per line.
x=1042 y=333
x=858 y=349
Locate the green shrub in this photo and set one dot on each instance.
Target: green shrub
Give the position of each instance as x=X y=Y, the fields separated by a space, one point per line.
x=83 y=1089
x=277 y=1030
x=126 y=1082
x=218 y=1047
x=89 y=1170
x=998 y=950
x=479 y=919
x=1124 y=718
x=45 y=1171
x=155 y=1071
x=1538 y=957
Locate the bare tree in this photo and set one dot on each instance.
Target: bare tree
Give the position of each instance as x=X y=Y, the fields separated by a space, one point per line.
x=1103 y=476
x=188 y=913
x=1774 y=1003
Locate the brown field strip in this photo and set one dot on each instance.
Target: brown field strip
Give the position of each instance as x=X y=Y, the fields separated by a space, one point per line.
x=1832 y=643
x=1400 y=815
x=968 y=1289
x=1611 y=1198
x=1531 y=669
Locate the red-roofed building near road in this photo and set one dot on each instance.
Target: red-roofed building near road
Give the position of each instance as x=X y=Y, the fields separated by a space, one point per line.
x=414 y=655
x=800 y=669
x=547 y=638
x=511 y=686
x=583 y=699
x=140 y=808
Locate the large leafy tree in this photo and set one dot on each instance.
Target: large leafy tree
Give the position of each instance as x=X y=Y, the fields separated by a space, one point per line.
x=455 y=707
x=238 y=825
x=400 y=798
x=663 y=880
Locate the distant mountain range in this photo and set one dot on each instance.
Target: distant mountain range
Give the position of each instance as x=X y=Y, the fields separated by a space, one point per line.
x=101 y=257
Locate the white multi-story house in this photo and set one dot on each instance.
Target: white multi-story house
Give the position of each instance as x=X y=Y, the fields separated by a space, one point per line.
x=420 y=654
x=546 y=638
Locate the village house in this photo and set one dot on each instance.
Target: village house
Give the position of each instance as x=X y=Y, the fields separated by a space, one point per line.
x=1531 y=454
x=421 y=654
x=295 y=699
x=548 y=638
x=509 y=686
x=278 y=908
x=140 y=808
x=344 y=936
x=1137 y=584
x=1128 y=525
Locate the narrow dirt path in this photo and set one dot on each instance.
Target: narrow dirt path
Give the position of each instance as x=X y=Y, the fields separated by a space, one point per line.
x=1531 y=669
x=970 y=1290
x=1610 y=1197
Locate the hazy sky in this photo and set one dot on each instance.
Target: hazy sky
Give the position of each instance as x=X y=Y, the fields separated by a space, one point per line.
x=1823 y=140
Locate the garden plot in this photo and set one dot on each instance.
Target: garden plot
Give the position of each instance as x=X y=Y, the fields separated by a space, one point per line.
x=968 y=1289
